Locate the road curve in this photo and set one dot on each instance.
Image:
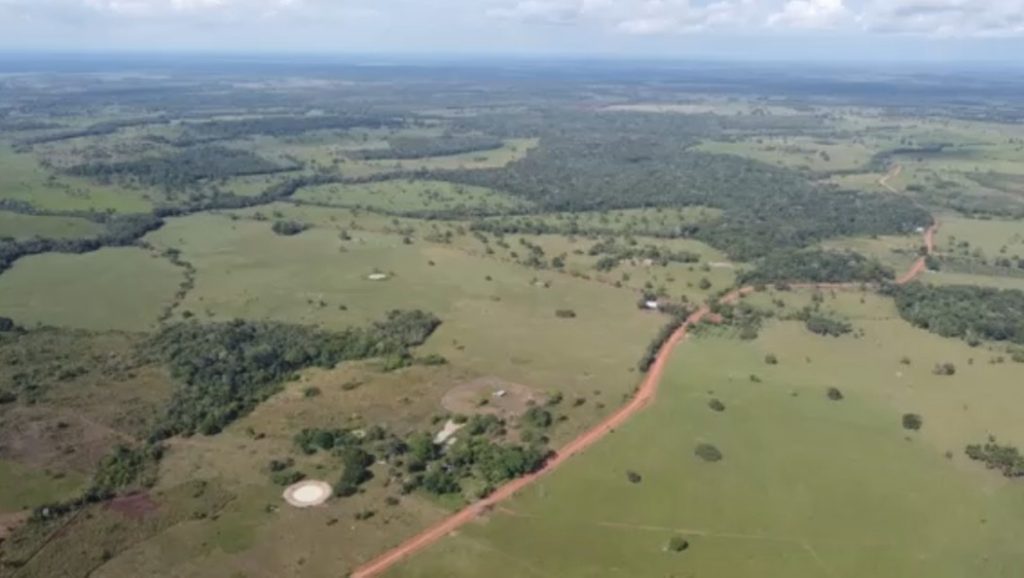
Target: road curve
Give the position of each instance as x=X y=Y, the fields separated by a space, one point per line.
x=641 y=398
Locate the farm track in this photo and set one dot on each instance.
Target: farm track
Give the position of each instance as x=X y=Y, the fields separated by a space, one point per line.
x=643 y=396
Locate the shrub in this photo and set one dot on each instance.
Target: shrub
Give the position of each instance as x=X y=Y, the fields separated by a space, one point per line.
x=565 y=314
x=676 y=544
x=311 y=392
x=1006 y=459
x=771 y=359
x=708 y=453
x=912 y=421
x=834 y=394
x=288 y=228
x=944 y=369
x=716 y=405
x=633 y=477
x=537 y=417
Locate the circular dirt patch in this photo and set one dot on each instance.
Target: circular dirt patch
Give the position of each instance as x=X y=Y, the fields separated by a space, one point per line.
x=307 y=493
x=491 y=395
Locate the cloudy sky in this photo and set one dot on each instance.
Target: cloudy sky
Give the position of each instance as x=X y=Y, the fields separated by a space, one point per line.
x=762 y=29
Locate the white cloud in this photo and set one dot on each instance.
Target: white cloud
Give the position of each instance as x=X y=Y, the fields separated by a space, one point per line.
x=809 y=14
x=945 y=18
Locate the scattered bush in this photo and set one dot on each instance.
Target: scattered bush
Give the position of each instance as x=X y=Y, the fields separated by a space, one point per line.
x=633 y=477
x=708 y=453
x=289 y=228
x=771 y=359
x=834 y=394
x=1006 y=459
x=716 y=405
x=944 y=369
x=565 y=314
x=912 y=421
x=677 y=544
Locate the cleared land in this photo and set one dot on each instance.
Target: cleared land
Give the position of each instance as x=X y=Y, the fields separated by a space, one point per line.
x=409 y=196
x=113 y=288
x=849 y=487
x=20 y=226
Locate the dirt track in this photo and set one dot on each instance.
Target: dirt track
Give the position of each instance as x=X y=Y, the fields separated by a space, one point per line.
x=644 y=395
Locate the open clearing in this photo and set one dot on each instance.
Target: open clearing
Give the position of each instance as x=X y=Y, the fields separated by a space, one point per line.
x=113 y=288
x=852 y=493
x=491 y=395
x=403 y=195
x=23 y=179
x=499 y=318
x=21 y=226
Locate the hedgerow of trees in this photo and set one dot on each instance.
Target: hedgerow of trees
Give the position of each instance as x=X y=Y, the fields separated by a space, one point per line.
x=816 y=266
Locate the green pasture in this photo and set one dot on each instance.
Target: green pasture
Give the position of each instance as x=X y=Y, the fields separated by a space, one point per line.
x=21 y=226
x=113 y=288
x=23 y=179
x=23 y=488
x=406 y=195
x=800 y=152
x=807 y=487
x=499 y=317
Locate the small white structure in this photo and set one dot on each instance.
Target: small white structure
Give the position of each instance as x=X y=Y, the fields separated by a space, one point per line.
x=500 y=393
x=652 y=305
x=919 y=230
x=377 y=277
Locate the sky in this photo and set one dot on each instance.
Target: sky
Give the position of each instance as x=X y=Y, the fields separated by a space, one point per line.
x=842 y=30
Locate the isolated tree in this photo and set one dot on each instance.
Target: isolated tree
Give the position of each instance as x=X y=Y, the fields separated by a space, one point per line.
x=912 y=421
x=708 y=453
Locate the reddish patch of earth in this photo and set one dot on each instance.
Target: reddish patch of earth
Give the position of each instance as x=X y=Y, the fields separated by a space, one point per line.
x=134 y=506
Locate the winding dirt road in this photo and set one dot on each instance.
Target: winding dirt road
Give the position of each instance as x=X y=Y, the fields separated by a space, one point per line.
x=644 y=395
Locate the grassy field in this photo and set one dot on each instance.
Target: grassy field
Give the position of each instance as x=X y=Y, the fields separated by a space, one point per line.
x=404 y=195
x=113 y=288
x=23 y=488
x=993 y=237
x=19 y=226
x=807 y=153
x=851 y=493
x=498 y=317
x=23 y=179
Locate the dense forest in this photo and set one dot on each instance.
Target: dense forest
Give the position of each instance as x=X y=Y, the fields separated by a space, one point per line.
x=969 y=312
x=420 y=147
x=220 y=130
x=226 y=369
x=816 y=266
x=765 y=208
x=182 y=169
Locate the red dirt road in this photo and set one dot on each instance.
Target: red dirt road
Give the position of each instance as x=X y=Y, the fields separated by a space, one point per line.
x=644 y=395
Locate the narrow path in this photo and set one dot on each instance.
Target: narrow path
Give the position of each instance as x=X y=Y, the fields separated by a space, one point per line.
x=644 y=395
x=892 y=174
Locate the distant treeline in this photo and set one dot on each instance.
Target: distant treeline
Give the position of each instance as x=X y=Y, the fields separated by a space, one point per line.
x=120 y=231
x=226 y=369
x=97 y=129
x=182 y=169
x=765 y=208
x=220 y=130
x=123 y=230
x=420 y=147
x=969 y=312
x=816 y=266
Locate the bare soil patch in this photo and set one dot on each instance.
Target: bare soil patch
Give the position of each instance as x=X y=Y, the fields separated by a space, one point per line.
x=10 y=521
x=491 y=395
x=135 y=506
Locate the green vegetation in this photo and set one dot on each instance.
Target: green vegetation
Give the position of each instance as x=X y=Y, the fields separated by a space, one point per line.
x=418 y=198
x=226 y=369
x=971 y=313
x=1007 y=459
x=816 y=266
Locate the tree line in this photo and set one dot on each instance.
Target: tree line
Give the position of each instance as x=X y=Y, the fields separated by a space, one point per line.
x=226 y=369
x=964 y=311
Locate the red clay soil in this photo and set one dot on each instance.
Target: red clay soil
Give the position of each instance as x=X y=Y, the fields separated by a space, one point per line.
x=643 y=396
x=135 y=506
